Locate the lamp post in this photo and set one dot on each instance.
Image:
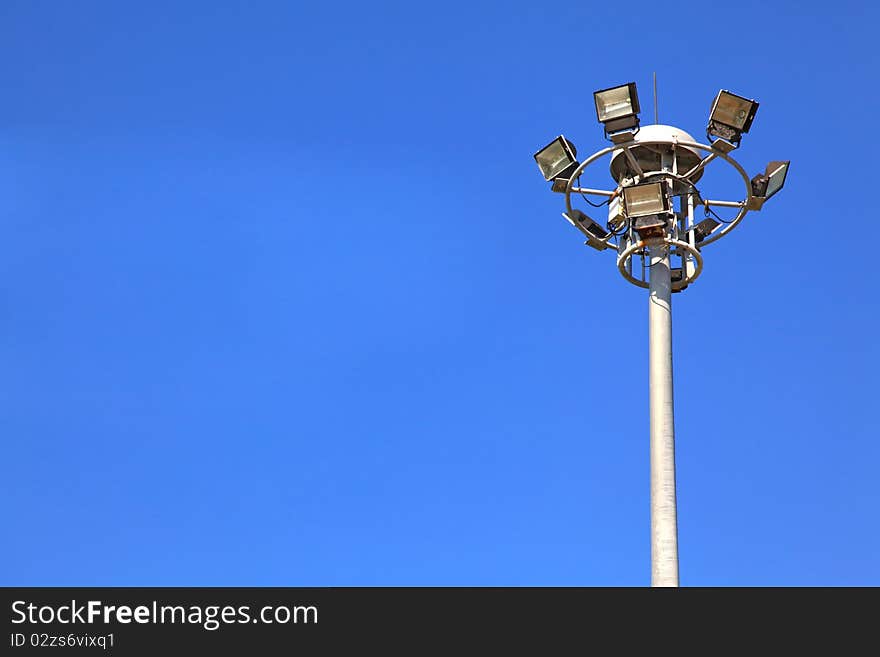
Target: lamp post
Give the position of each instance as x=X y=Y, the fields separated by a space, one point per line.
x=653 y=166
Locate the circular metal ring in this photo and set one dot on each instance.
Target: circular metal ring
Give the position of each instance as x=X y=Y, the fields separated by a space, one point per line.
x=630 y=251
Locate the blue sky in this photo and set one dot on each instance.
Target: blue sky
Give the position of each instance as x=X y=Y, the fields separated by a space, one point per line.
x=286 y=301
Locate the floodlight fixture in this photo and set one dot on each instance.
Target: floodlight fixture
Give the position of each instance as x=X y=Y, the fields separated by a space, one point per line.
x=557 y=157
x=593 y=231
x=645 y=199
x=731 y=117
x=703 y=229
x=652 y=225
x=766 y=184
x=647 y=206
x=617 y=108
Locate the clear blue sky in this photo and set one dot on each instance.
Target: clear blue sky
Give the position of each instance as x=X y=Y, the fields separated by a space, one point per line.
x=285 y=300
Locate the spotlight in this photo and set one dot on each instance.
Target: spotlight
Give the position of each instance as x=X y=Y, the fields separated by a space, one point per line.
x=647 y=206
x=649 y=226
x=771 y=181
x=703 y=229
x=556 y=158
x=618 y=108
x=677 y=278
x=593 y=231
x=649 y=198
x=731 y=117
x=765 y=185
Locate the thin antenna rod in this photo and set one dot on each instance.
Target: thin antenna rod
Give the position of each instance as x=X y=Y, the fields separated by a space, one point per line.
x=656 y=111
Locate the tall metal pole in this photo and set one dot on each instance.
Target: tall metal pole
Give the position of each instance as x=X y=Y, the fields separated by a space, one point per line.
x=664 y=521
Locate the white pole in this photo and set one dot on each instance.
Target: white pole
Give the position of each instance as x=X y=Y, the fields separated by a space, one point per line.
x=664 y=523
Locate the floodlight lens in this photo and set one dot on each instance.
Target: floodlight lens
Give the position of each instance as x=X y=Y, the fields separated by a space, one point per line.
x=642 y=200
x=734 y=111
x=614 y=103
x=556 y=157
x=776 y=173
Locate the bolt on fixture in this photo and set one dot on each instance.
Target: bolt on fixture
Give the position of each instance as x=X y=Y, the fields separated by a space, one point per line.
x=651 y=217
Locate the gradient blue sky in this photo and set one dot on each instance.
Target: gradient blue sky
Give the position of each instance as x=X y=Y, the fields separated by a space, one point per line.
x=285 y=300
